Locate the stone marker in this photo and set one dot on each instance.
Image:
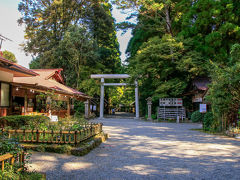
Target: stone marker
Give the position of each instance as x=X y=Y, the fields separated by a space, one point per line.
x=149 y=103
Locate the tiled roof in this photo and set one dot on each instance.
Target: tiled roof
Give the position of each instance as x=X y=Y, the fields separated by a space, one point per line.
x=48 y=73
x=16 y=67
x=43 y=81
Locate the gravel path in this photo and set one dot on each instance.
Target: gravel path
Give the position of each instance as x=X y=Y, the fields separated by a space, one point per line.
x=144 y=150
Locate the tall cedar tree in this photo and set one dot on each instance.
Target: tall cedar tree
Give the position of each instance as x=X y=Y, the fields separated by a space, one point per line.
x=47 y=22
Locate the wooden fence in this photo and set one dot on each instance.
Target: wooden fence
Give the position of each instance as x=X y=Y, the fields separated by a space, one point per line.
x=9 y=158
x=55 y=137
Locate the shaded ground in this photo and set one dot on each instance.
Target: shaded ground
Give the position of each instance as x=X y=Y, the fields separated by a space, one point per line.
x=120 y=115
x=145 y=150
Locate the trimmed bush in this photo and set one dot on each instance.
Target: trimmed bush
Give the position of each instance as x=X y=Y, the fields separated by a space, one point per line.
x=154 y=116
x=197 y=116
x=208 y=121
x=17 y=121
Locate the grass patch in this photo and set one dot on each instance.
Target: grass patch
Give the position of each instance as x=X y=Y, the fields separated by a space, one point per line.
x=32 y=176
x=208 y=132
x=10 y=174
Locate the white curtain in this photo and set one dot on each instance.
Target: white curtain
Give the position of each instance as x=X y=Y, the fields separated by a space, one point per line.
x=5 y=90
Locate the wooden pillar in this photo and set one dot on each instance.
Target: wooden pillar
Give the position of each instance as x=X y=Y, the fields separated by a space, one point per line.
x=25 y=102
x=68 y=107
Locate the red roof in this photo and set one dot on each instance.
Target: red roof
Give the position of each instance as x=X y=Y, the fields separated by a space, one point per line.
x=16 y=67
x=50 y=73
x=44 y=80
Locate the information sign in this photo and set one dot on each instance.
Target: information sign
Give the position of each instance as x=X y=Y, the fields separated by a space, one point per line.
x=170 y=102
x=202 y=108
x=54 y=118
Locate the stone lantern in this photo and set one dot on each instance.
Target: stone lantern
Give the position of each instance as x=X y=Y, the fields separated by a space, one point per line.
x=149 y=103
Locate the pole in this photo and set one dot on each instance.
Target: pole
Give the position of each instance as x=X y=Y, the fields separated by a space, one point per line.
x=136 y=100
x=102 y=98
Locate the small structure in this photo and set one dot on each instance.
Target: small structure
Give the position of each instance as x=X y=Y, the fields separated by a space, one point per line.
x=21 y=86
x=115 y=76
x=149 y=103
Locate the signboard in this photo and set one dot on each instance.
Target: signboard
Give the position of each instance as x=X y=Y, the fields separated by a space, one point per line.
x=54 y=118
x=203 y=108
x=170 y=102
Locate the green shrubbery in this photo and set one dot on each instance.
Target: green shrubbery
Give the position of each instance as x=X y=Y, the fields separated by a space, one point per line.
x=208 y=121
x=41 y=123
x=9 y=146
x=17 y=121
x=154 y=116
x=197 y=116
x=10 y=173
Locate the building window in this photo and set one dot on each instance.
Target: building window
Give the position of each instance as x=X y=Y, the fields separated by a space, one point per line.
x=5 y=94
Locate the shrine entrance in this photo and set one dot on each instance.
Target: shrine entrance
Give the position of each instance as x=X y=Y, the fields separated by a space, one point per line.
x=115 y=76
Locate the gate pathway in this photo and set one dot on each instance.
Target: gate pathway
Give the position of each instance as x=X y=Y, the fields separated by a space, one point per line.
x=144 y=150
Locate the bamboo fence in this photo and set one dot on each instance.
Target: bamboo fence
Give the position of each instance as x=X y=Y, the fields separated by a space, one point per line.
x=55 y=137
x=9 y=158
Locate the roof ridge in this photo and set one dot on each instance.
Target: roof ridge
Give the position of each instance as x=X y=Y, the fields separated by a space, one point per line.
x=46 y=69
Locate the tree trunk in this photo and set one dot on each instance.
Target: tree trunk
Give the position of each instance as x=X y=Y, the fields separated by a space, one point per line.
x=168 y=20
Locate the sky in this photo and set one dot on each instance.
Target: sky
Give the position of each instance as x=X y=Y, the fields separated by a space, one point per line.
x=9 y=28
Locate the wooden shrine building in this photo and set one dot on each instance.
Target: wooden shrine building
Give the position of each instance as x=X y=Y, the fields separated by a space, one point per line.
x=19 y=88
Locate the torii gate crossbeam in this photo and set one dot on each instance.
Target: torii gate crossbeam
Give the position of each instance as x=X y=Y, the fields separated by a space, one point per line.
x=115 y=76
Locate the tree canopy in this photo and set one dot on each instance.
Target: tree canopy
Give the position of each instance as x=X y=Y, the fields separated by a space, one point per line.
x=173 y=43
x=9 y=56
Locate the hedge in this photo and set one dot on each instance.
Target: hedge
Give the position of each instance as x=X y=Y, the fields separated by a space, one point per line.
x=208 y=121
x=197 y=116
x=16 y=121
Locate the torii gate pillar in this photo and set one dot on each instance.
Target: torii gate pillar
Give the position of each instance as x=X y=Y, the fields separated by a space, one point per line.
x=102 y=99
x=136 y=100
x=115 y=76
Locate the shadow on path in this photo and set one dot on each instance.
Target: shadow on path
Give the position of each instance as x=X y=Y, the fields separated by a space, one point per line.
x=145 y=150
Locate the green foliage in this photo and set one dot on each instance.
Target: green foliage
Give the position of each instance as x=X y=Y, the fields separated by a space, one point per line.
x=121 y=95
x=197 y=116
x=208 y=121
x=77 y=56
x=31 y=176
x=9 y=56
x=79 y=108
x=154 y=116
x=58 y=148
x=224 y=89
x=9 y=146
x=11 y=174
x=213 y=26
x=155 y=66
x=42 y=123
x=46 y=101
x=78 y=36
x=16 y=121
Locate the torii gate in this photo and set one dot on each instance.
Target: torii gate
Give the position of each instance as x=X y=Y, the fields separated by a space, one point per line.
x=115 y=76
